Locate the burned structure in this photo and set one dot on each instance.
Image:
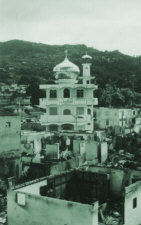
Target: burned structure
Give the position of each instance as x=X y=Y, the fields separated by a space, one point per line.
x=70 y=198
x=10 y=157
x=74 y=197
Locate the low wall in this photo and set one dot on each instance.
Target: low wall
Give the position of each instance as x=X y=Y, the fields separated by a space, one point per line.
x=40 y=210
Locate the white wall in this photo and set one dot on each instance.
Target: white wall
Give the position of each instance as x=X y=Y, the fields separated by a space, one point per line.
x=33 y=188
x=132 y=215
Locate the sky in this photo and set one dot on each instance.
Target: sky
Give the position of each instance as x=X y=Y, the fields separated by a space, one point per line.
x=101 y=24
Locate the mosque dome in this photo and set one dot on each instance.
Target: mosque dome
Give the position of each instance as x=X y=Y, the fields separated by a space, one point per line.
x=66 y=70
x=66 y=66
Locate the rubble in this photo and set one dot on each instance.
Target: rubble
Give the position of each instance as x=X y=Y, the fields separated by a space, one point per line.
x=3 y=209
x=110 y=216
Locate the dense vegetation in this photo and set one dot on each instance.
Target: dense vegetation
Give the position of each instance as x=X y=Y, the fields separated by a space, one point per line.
x=118 y=75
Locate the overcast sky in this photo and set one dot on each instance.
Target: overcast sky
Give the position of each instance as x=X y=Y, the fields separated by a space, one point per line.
x=102 y=24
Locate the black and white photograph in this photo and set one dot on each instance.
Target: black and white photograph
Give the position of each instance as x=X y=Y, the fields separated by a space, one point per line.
x=70 y=112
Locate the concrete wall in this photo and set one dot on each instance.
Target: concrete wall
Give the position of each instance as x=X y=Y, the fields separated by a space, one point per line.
x=11 y=166
x=10 y=146
x=113 y=115
x=33 y=188
x=91 y=150
x=137 y=128
x=132 y=216
x=65 y=165
x=76 y=147
x=82 y=148
x=103 y=152
x=80 y=186
x=44 y=169
x=52 y=151
x=116 y=183
x=40 y=210
x=116 y=179
x=100 y=135
x=103 y=114
x=10 y=127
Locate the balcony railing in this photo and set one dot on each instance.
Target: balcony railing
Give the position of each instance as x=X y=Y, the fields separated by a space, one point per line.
x=66 y=119
x=89 y=101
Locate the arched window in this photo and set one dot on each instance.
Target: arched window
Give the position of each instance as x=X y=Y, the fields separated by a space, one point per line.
x=80 y=93
x=53 y=127
x=53 y=94
x=66 y=93
x=89 y=111
x=67 y=127
x=67 y=112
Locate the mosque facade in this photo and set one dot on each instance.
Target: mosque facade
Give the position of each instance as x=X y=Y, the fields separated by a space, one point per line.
x=70 y=101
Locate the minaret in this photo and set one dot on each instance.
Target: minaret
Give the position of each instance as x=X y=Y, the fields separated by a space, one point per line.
x=86 y=69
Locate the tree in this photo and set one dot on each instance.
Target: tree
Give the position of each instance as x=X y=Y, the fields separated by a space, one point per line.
x=35 y=93
x=106 y=96
x=117 y=98
x=129 y=96
x=24 y=80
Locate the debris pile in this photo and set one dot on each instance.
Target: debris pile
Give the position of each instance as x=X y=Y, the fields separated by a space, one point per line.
x=110 y=215
x=3 y=210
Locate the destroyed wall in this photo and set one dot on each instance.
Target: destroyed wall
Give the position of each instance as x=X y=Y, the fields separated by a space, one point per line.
x=119 y=178
x=135 y=176
x=33 y=187
x=116 y=177
x=10 y=158
x=112 y=117
x=132 y=204
x=76 y=147
x=64 y=166
x=32 y=209
x=106 y=116
x=103 y=152
x=9 y=133
x=91 y=150
x=79 y=149
x=79 y=186
x=51 y=167
x=10 y=165
x=52 y=151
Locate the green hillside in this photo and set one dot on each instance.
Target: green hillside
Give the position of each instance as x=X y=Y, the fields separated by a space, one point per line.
x=21 y=61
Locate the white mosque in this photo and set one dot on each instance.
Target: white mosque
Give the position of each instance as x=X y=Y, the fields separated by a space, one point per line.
x=69 y=104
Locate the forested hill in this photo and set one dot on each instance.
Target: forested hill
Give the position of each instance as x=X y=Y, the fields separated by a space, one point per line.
x=21 y=61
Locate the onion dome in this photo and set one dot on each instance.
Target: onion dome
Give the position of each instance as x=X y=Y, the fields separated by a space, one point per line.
x=66 y=66
x=66 y=70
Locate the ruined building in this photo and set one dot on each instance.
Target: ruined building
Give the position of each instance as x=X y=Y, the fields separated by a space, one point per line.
x=73 y=198
x=10 y=157
x=70 y=198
